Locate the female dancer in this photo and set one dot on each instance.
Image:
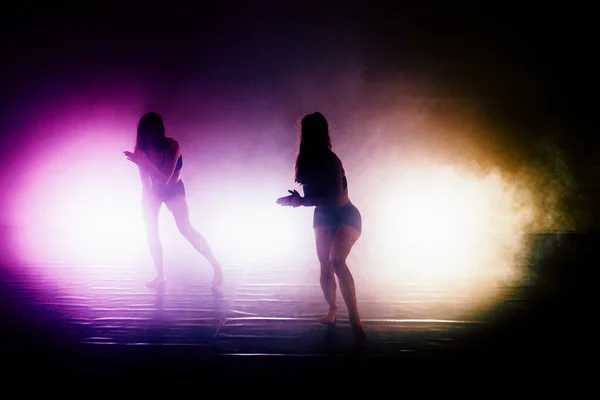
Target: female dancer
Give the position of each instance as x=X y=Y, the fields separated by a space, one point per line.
x=337 y=222
x=159 y=160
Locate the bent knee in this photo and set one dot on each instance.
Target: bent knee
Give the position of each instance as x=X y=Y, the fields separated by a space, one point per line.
x=185 y=228
x=326 y=268
x=338 y=263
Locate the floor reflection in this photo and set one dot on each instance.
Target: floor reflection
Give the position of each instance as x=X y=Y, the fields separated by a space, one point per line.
x=265 y=312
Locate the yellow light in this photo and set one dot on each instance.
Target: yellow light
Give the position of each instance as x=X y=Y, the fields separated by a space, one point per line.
x=443 y=223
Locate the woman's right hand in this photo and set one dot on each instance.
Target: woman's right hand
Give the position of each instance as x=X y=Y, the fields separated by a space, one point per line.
x=291 y=200
x=284 y=201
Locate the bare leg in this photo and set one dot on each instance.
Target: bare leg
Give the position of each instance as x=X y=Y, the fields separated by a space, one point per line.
x=324 y=239
x=343 y=240
x=179 y=209
x=150 y=211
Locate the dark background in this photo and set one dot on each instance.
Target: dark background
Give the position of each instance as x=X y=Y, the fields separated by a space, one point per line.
x=256 y=69
x=530 y=69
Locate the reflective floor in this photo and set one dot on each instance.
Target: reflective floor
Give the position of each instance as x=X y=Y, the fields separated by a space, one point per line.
x=104 y=319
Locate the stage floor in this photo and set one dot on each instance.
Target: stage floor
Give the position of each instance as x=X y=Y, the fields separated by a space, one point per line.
x=103 y=319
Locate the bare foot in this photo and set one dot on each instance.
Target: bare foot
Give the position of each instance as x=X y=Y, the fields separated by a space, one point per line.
x=218 y=276
x=157 y=283
x=358 y=331
x=329 y=318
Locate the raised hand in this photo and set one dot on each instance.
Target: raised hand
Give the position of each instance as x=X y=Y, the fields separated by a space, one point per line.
x=293 y=200
x=284 y=201
x=131 y=156
x=139 y=157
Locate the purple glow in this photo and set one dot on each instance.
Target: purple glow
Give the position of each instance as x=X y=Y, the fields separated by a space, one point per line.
x=78 y=201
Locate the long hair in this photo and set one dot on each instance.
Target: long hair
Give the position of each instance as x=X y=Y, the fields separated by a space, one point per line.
x=315 y=146
x=151 y=122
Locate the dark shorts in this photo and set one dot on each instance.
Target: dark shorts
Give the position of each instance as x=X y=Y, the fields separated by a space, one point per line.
x=168 y=192
x=336 y=217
